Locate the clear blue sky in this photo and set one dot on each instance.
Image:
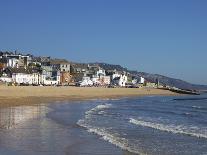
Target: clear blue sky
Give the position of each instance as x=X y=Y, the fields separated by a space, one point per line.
x=167 y=37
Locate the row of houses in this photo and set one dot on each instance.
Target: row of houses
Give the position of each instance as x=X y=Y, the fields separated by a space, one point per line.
x=29 y=70
x=93 y=75
x=26 y=69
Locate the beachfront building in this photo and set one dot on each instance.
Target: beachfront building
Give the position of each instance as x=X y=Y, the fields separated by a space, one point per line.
x=115 y=74
x=5 y=78
x=65 y=78
x=150 y=84
x=142 y=80
x=35 y=78
x=63 y=66
x=50 y=78
x=91 y=73
x=120 y=81
x=134 y=81
x=106 y=80
x=99 y=75
x=137 y=80
x=101 y=80
x=16 y=75
x=95 y=80
x=86 y=81
x=21 y=76
x=118 y=78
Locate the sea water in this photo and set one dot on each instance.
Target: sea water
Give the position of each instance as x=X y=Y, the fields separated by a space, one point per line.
x=140 y=125
x=152 y=125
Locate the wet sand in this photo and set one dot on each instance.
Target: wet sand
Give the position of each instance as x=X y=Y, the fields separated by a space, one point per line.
x=50 y=129
x=26 y=95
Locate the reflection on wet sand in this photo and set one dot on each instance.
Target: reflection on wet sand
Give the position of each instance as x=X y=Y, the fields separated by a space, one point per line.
x=52 y=130
x=12 y=116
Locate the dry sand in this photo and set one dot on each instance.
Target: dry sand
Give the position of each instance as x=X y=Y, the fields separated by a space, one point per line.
x=11 y=95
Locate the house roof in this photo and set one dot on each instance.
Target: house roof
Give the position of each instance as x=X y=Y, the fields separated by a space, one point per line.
x=21 y=70
x=41 y=59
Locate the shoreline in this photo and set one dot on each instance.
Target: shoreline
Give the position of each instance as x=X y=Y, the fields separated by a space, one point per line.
x=28 y=95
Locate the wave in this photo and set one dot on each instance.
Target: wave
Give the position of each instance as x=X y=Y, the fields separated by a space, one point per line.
x=98 y=108
x=111 y=138
x=179 y=129
x=197 y=107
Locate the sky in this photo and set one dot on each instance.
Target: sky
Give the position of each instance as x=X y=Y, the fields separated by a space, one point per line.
x=167 y=37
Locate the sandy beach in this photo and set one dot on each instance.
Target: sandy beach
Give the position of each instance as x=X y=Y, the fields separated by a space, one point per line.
x=11 y=96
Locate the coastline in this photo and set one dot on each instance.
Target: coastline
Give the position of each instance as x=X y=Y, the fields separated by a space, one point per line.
x=28 y=95
x=80 y=127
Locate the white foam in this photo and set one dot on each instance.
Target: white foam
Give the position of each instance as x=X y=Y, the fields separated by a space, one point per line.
x=112 y=138
x=196 y=107
x=101 y=112
x=179 y=129
x=99 y=107
x=110 y=99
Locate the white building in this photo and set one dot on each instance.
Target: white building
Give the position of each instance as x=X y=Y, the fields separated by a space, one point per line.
x=102 y=80
x=60 y=64
x=35 y=78
x=21 y=78
x=120 y=81
x=54 y=80
x=13 y=62
x=134 y=81
x=100 y=72
x=115 y=75
x=95 y=80
x=141 y=80
x=23 y=60
x=5 y=79
x=86 y=81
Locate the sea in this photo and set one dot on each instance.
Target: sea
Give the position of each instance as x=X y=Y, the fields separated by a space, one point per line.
x=151 y=125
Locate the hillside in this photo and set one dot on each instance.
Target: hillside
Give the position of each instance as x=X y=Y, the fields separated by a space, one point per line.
x=152 y=77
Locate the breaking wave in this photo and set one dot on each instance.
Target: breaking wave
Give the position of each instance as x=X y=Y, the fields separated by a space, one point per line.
x=112 y=138
x=179 y=129
x=197 y=107
x=98 y=108
x=109 y=137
